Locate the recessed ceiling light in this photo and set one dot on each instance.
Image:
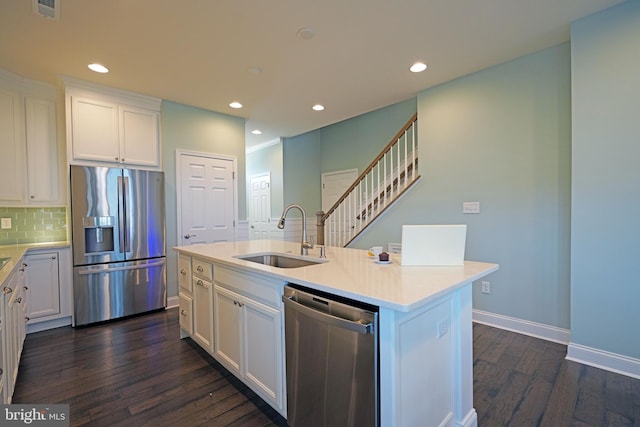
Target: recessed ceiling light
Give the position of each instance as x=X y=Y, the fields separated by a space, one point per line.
x=235 y=104
x=418 y=67
x=98 y=68
x=256 y=132
x=318 y=107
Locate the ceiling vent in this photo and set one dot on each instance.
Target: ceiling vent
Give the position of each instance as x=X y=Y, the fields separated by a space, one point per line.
x=47 y=8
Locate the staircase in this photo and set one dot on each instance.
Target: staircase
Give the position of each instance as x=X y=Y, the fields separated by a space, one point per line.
x=377 y=188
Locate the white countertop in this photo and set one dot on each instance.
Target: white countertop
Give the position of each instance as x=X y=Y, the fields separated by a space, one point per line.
x=350 y=272
x=16 y=252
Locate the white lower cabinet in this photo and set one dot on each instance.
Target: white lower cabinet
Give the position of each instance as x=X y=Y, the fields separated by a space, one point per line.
x=13 y=332
x=249 y=334
x=203 y=313
x=248 y=337
x=237 y=317
x=48 y=279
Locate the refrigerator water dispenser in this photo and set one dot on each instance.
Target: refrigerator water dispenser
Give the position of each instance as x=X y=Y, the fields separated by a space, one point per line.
x=98 y=234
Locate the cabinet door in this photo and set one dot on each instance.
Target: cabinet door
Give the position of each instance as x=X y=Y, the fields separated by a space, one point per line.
x=263 y=361
x=94 y=128
x=227 y=328
x=42 y=151
x=42 y=279
x=184 y=273
x=139 y=142
x=12 y=140
x=186 y=313
x=203 y=313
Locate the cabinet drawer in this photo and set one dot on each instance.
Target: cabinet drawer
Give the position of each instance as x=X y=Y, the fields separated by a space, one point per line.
x=186 y=313
x=202 y=269
x=255 y=286
x=184 y=273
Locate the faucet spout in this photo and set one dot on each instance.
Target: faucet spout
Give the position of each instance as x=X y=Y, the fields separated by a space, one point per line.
x=305 y=244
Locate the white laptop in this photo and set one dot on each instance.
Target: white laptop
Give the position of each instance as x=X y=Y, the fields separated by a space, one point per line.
x=433 y=244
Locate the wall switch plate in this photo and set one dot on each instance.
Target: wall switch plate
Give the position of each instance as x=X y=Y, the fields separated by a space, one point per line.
x=6 y=224
x=486 y=287
x=471 y=207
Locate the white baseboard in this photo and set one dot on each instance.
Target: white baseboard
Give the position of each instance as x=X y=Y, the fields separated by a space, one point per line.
x=613 y=362
x=173 y=302
x=49 y=324
x=525 y=327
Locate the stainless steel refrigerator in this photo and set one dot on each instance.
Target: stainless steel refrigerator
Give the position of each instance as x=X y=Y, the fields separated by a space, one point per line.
x=118 y=233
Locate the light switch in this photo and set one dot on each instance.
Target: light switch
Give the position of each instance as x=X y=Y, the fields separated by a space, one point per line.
x=471 y=207
x=6 y=224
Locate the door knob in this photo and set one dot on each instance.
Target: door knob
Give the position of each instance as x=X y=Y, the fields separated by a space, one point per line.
x=188 y=236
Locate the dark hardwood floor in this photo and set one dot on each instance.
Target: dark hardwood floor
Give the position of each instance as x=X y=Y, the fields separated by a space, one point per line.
x=524 y=381
x=137 y=372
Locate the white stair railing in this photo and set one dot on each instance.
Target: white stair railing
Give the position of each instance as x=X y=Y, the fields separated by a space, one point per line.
x=389 y=175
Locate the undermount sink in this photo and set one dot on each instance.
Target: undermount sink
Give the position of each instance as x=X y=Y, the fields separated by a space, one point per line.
x=280 y=260
x=3 y=261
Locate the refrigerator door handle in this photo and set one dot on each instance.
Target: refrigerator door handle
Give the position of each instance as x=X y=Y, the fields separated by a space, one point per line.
x=123 y=219
x=127 y=223
x=94 y=270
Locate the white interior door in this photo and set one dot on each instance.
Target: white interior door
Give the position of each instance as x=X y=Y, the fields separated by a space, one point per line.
x=206 y=199
x=260 y=210
x=334 y=184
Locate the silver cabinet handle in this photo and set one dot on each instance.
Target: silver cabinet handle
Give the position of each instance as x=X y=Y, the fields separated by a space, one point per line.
x=183 y=312
x=188 y=236
x=200 y=269
x=184 y=273
x=7 y=290
x=200 y=283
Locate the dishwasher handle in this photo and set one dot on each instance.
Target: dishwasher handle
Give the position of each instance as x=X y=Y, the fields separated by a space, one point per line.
x=361 y=328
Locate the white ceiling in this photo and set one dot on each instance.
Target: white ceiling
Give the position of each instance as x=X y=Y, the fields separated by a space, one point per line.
x=200 y=52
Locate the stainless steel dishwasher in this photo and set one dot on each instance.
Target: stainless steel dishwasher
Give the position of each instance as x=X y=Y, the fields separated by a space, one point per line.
x=332 y=360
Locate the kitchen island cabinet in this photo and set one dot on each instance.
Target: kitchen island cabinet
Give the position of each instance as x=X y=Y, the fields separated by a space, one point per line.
x=425 y=329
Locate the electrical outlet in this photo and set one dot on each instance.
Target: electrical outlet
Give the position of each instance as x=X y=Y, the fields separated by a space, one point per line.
x=395 y=248
x=6 y=224
x=486 y=287
x=443 y=328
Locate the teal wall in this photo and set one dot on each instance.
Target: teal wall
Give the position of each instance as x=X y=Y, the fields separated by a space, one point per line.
x=502 y=137
x=353 y=143
x=605 y=292
x=194 y=129
x=268 y=160
x=302 y=170
x=34 y=225
x=350 y=144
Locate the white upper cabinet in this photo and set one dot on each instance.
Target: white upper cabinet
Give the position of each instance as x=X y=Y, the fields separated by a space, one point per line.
x=111 y=126
x=42 y=151
x=12 y=137
x=139 y=139
x=30 y=160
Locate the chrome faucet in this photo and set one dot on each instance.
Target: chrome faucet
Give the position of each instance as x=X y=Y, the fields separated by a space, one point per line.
x=305 y=245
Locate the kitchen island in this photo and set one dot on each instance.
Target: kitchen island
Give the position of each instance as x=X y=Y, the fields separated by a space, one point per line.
x=425 y=330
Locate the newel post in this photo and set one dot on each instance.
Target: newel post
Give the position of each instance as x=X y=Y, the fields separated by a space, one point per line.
x=320 y=227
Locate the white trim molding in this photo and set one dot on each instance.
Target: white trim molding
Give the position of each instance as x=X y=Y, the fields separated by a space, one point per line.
x=608 y=361
x=173 y=302
x=525 y=327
